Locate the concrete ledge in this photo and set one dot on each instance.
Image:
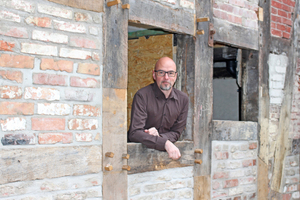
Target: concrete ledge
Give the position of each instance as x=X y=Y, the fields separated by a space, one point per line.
x=234 y=130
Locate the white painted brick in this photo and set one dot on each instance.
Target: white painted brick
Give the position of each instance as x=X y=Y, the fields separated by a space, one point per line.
x=78 y=95
x=275 y=100
x=250 y=188
x=39 y=49
x=74 y=53
x=221 y=165
x=68 y=26
x=280 y=70
x=54 y=109
x=185 y=194
x=296 y=195
x=155 y=187
x=187 y=4
x=235 y=191
x=18 y=5
x=237 y=173
x=41 y=93
x=133 y=190
x=169 y=1
x=83 y=124
x=84 y=137
x=13 y=31
x=13 y=124
x=83 y=17
x=93 y=30
x=8 y=92
x=165 y=195
x=55 y=11
x=277 y=85
x=49 y=37
x=277 y=77
x=276 y=92
x=9 y=16
x=176 y=184
x=234 y=165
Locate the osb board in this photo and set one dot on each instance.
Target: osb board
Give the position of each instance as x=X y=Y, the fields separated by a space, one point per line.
x=142 y=55
x=25 y=164
x=92 y=5
x=143 y=159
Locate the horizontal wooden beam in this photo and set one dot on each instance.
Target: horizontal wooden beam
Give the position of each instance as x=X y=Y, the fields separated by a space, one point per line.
x=138 y=34
x=92 y=5
x=143 y=159
x=158 y=15
x=235 y=35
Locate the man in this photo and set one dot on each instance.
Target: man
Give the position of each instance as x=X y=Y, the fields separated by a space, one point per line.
x=159 y=111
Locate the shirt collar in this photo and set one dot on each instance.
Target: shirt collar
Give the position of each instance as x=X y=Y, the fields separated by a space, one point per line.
x=158 y=93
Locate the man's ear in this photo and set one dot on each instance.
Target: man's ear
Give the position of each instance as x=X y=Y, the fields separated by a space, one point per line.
x=153 y=75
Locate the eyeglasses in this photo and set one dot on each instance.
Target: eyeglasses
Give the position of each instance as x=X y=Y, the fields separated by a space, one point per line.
x=162 y=73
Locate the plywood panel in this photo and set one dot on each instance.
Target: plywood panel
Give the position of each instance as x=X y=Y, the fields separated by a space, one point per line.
x=142 y=56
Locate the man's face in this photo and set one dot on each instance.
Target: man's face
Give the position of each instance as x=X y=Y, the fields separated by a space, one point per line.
x=165 y=82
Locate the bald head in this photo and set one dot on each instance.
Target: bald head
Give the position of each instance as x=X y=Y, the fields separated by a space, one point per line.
x=165 y=61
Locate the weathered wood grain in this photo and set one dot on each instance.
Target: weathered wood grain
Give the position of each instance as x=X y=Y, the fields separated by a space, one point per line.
x=185 y=62
x=116 y=47
x=201 y=191
x=143 y=159
x=249 y=111
x=92 y=5
x=24 y=164
x=160 y=16
x=235 y=35
x=203 y=88
x=262 y=180
x=234 y=130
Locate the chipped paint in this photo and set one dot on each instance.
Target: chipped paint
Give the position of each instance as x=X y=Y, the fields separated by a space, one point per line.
x=54 y=109
x=13 y=124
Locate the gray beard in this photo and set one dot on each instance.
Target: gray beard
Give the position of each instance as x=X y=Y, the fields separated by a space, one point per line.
x=165 y=88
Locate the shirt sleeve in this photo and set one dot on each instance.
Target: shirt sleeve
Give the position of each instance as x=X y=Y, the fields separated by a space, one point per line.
x=180 y=123
x=136 y=131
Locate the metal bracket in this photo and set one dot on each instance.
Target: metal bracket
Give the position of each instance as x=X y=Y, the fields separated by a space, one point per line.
x=211 y=35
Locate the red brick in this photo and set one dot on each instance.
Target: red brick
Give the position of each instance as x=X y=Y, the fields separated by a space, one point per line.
x=219 y=175
x=276 y=32
x=10 y=92
x=39 y=21
x=274 y=11
x=237 y=198
x=13 y=31
x=6 y=46
x=234 y=19
x=87 y=83
x=41 y=93
x=289 y=2
x=226 y=7
x=287 y=8
x=16 y=108
x=84 y=137
x=251 y=6
x=221 y=155
x=12 y=75
x=231 y=183
x=88 y=68
x=220 y=14
x=18 y=139
x=276 y=4
x=286 y=196
x=86 y=110
x=247 y=163
x=83 y=124
x=49 y=79
x=288 y=29
x=82 y=17
x=286 y=35
x=273 y=25
x=76 y=41
x=287 y=21
x=240 y=3
x=215 y=185
x=275 y=18
x=282 y=13
x=52 y=138
x=47 y=124
x=57 y=65
x=252 y=145
x=16 y=61
x=280 y=27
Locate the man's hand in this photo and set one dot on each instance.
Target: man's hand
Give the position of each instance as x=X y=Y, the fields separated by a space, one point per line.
x=152 y=131
x=172 y=150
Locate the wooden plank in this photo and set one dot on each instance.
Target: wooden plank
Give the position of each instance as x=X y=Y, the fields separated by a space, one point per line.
x=262 y=180
x=114 y=136
x=116 y=44
x=25 y=164
x=235 y=35
x=113 y=3
x=160 y=16
x=185 y=62
x=202 y=187
x=250 y=87
x=138 y=34
x=203 y=101
x=143 y=159
x=234 y=130
x=92 y=5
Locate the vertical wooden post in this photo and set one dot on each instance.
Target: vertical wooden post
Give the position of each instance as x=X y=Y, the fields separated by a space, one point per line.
x=115 y=100
x=203 y=111
x=264 y=99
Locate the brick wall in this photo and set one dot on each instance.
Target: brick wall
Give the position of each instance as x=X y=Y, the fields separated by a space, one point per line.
x=176 y=183
x=238 y=12
x=234 y=169
x=50 y=94
x=282 y=12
